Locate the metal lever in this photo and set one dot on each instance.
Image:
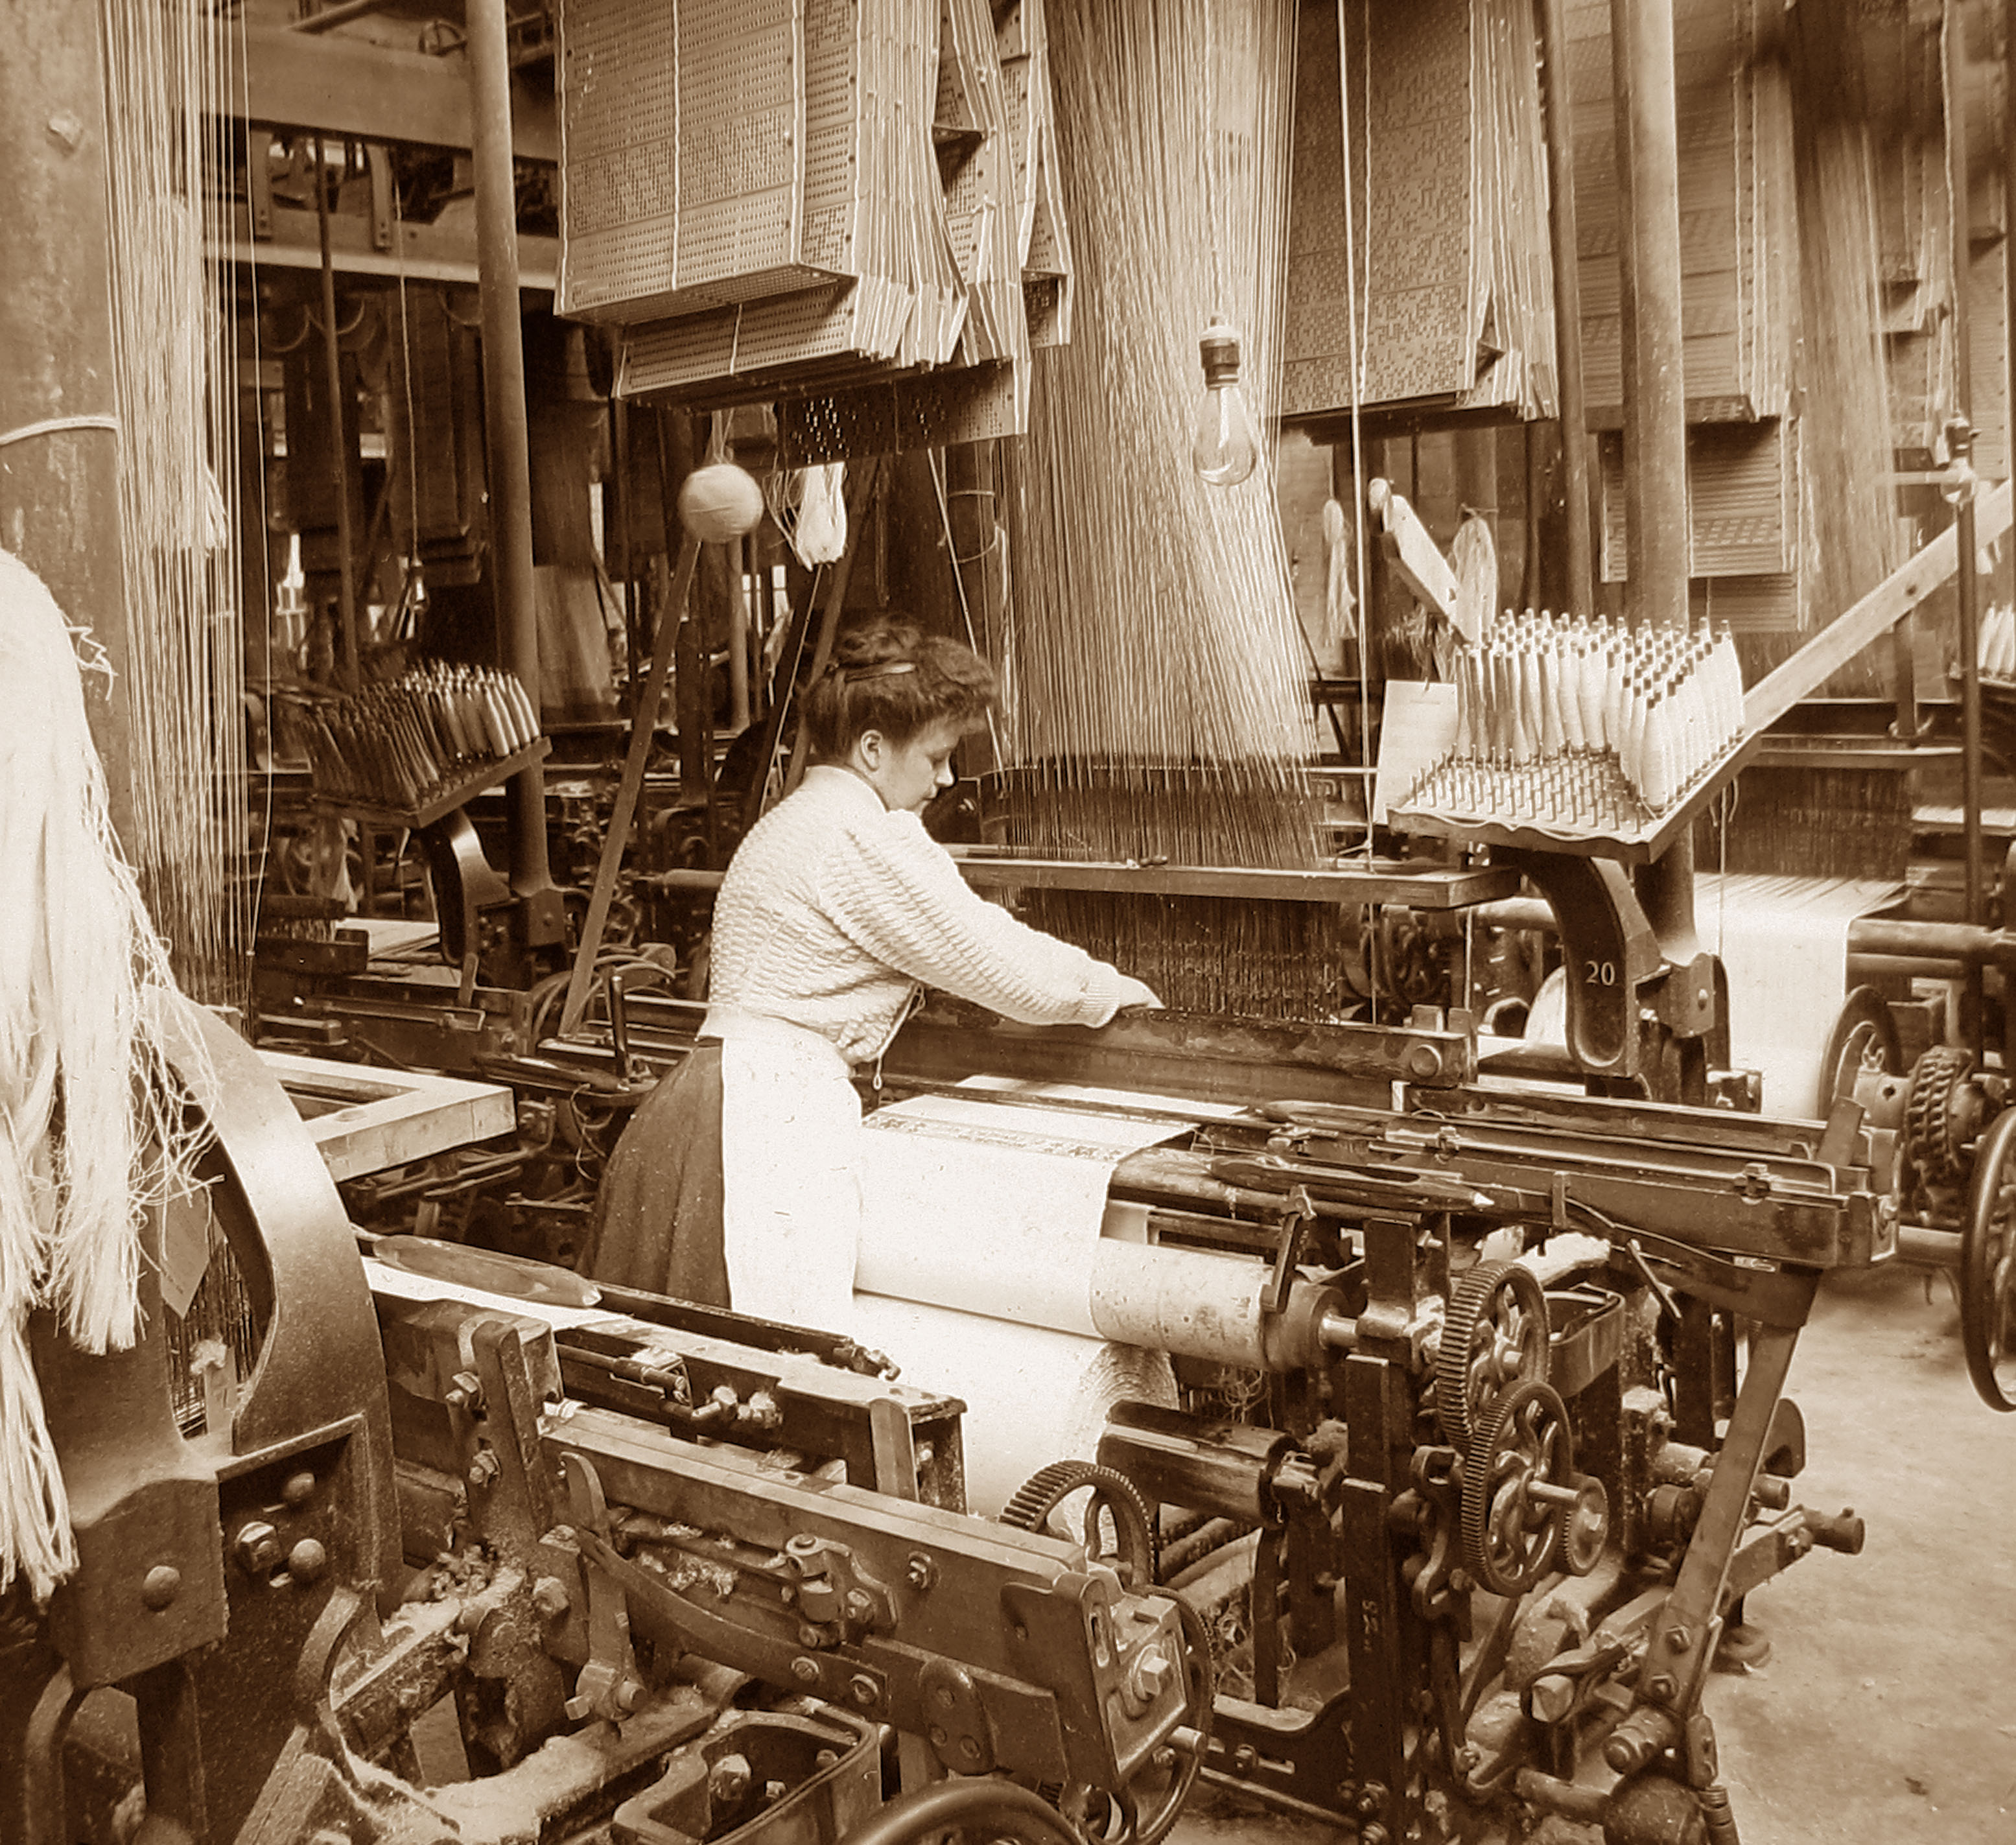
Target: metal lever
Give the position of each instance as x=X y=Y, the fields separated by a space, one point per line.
x=619 y=1026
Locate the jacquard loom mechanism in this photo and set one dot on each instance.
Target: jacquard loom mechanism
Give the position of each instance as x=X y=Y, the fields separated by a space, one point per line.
x=1469 y=1551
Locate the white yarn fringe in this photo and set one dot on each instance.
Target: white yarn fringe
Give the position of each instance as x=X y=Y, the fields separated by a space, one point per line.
x=94 y=1125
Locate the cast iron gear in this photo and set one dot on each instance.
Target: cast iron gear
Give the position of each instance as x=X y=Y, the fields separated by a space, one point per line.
x=1495 y=1332
x=1510 y=1533
x=1935 y=1124
x=1132 y=1551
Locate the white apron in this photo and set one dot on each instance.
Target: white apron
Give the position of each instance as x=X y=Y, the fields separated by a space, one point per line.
x=790 y=1133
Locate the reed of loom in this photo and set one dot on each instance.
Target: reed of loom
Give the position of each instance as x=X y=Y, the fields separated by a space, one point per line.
x=1155 y=697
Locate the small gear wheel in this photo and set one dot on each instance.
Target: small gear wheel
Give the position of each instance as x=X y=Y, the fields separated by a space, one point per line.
x=1116 y=1526
x=1511 y=1532
x=1936 y=1133
x=1494 y=1333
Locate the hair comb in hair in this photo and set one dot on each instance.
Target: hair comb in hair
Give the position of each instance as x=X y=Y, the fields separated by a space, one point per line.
x=855 y=675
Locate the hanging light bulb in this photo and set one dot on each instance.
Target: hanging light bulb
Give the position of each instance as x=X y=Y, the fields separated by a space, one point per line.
x=1226 y=447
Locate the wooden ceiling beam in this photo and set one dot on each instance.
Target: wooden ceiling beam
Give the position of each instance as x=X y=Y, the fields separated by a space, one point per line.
x=341 y=86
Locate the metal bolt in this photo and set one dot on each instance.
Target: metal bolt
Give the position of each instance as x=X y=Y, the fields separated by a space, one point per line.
x=1627 y=1753
x=256 y=1547
x=1375 y=1835
x=729 y=1782
x=969 y=1747
x=860 y=1604
x=862 y=1688
x=465 y=1391
x=1660 y=1688
x=1372 y=1800
x=307 y=1561
x=1677 y=1638
x=1153 y=1670
x=805 y=1670
x=937 y=1736
x=809 y=1635
x=485 y=1467
x=919 y=1571
x=550 y=1597
x=1551 y=1697
x=164 y=1582
x=1245 y=1758
x=300 y=1488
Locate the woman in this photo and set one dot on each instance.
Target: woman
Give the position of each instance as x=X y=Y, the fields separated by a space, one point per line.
x=736 y=1185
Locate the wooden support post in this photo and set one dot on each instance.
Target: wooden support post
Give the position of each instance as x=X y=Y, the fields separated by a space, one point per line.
x=1655 y=430
x=1562 y=242
x=505 y=429
x=59 y=429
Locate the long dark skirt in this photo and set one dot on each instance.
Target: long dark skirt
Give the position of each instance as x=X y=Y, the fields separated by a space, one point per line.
x=657 y=1218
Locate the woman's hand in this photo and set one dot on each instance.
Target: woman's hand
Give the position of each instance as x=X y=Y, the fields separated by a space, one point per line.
x=1135 y=996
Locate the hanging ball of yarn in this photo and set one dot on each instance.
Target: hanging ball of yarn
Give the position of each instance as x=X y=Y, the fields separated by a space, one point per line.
x=719 y=502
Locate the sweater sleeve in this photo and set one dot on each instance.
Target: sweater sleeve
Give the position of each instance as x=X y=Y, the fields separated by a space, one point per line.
x=894 y=891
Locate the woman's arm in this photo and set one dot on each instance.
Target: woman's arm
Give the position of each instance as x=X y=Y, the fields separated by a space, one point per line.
x=895 y=892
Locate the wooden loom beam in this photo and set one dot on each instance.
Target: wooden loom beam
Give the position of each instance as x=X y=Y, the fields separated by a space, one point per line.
x=1870 y=619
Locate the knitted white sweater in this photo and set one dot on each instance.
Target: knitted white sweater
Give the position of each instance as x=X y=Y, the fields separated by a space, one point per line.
x=834 y=909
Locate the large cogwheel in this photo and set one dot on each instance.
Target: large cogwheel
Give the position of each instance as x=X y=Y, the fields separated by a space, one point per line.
x=1934 y=1131
x=1511 y=1532
x=1115 y=1524
x=1494 y=1333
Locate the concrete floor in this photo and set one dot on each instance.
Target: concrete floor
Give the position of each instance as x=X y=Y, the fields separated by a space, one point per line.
x=1886 y=1714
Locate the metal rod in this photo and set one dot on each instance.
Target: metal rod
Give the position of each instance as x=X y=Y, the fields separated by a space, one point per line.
x=346 y=668
x=1868 y=936
x=1961 y=442
x=643 y=721
x=2009 y=188
x=1565 y=243
x=741 y=585
x=1655 y=430
x=1929 y=1247
x=339 y=16
x=504 y=423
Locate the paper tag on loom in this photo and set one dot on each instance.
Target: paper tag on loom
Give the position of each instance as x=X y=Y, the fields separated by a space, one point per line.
x=184 y=1250
x=1417 y=731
